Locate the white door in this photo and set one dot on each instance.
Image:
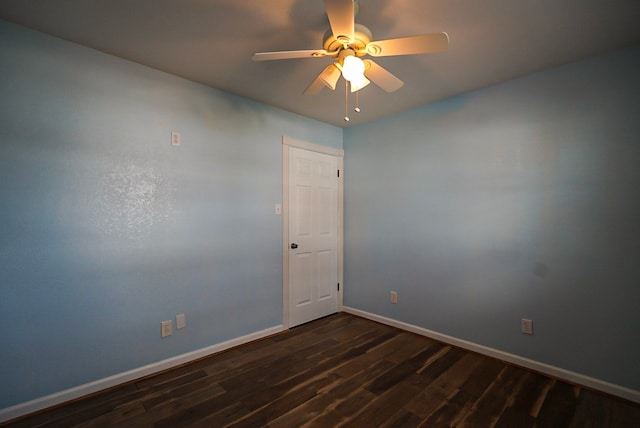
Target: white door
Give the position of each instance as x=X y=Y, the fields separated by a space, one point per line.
x=313 y=235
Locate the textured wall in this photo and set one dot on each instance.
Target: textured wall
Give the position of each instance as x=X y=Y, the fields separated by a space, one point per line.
x=106 y=229
x=517 y=201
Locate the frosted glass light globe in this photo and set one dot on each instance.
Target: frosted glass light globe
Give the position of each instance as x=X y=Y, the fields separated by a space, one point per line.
x=353 y=69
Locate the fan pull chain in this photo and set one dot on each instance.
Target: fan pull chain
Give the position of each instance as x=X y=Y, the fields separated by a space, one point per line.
x=346 y=101
x=357 y=108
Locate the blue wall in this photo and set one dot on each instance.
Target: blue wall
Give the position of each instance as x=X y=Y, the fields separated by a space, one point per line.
x=520 y=200
x=106 y=229
x=517 y=201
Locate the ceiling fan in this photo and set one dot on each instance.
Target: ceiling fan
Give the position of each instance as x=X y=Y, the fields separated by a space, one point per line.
x=347 y=42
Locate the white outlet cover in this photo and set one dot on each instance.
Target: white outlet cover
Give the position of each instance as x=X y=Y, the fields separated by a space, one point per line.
x=175 y=139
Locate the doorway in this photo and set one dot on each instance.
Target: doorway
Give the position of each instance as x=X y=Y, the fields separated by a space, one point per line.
x=312 y=231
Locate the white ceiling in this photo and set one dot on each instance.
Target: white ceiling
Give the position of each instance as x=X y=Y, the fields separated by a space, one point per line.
x=211 y=42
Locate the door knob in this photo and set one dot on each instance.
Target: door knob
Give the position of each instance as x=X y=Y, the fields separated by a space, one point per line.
x=294 y=246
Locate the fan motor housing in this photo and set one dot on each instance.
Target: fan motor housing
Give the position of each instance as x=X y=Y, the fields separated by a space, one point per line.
x=362 y=36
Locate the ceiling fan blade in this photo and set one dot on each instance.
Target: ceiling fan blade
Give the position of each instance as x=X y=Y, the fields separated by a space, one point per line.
x=268 y=56
x=328 y=77
x=341 y=15
x=425 y=43
x=381 y=77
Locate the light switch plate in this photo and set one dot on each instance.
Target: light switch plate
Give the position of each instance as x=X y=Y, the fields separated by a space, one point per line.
x=165 y=328
x=181 y=321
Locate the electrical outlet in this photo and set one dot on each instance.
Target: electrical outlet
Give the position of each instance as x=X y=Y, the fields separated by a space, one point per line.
x=527 y=326
x=166 y=327
x=181 y=322
x=175 y=139
x=393 y=297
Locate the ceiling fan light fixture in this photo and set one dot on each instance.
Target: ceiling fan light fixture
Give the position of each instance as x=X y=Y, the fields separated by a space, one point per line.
x=358 y=84
x=353 y=68
x=346 y=41
x=330 y=76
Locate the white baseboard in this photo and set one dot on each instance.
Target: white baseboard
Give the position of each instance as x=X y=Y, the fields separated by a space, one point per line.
x=108 y=382
x=569 y=376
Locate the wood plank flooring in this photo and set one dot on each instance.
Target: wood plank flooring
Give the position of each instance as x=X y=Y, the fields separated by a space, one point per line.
x=344 y=371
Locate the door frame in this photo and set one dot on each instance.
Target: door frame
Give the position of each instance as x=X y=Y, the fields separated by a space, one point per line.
x=288 y=142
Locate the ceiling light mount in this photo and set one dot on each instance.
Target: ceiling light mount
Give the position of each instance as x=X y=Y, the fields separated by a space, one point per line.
x=361 y=37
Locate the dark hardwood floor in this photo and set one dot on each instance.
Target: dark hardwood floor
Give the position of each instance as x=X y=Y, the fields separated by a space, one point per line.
x=344 y=371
